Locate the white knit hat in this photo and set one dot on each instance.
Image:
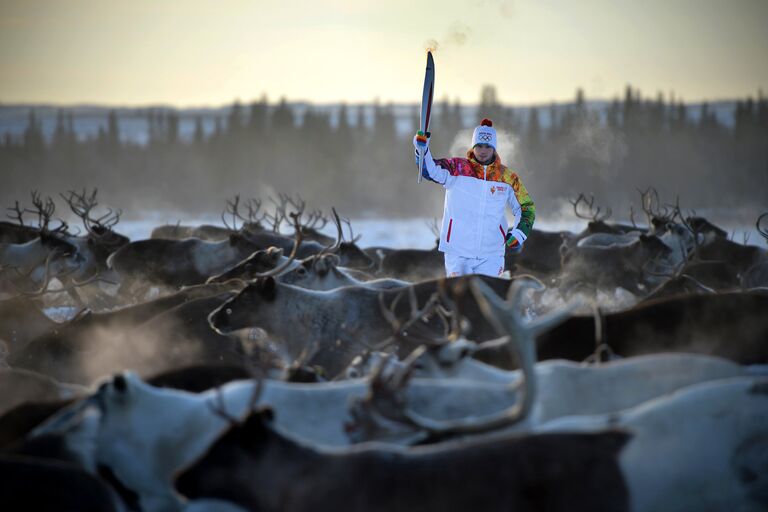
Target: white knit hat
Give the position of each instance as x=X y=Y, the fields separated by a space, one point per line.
x=484 y=134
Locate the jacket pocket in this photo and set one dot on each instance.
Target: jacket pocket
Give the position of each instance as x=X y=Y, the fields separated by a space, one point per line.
x=503 y=234
x=448 y=236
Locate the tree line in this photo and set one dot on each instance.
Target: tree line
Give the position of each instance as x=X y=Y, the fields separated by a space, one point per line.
x=366 y=165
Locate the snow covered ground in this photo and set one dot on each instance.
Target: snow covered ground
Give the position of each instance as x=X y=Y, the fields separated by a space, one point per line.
x=413 y=233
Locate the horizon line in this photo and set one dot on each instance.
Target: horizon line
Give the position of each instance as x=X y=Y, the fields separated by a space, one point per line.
x=759 y=95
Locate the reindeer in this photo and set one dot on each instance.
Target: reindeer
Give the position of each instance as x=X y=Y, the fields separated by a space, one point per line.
x=350 y=255
x=322 y=272
x=315 y=412
x=717 y=408
x=48 y=254
x=562 y=388
x=137 y=419
x=315 y=221
x=101 y=239
x=175 y=263
x=99 y=242
x=701 y=436
x=541 y=256
x=251 y=222
x=621 y=264
x=481 y=475
x=90 y=342
x=730 y=325
x=257 y=263
x=318 y=261
x=344 y=321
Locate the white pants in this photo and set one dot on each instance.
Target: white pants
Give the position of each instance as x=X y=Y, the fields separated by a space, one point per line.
x=459 y=265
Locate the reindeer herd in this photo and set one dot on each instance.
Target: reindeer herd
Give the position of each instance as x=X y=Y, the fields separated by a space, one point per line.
x=264 y=365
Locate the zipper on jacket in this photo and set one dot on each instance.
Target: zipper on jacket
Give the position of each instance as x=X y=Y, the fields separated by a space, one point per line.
x=482 y=215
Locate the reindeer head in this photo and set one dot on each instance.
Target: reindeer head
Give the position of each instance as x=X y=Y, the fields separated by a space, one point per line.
x=243 y=445
x=56 y=243
x=255 y=264
x=98 y=227
x=238 y=312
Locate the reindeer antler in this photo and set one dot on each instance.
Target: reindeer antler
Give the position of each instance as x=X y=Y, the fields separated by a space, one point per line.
x=331 y=249
x=232 y=208
x=19 y=213
x=315 y=218
x=652 y=206
x=685 y=221
x=279 y=214
x=408 y=329
x=760 y=229
x=253 y=206
x=593 y=211
x=44 y=209
x=298 y=237
x=352 y=238
x=83 y=204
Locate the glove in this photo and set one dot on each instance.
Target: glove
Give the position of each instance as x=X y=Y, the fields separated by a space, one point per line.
x=421 y=142
x=514 y=240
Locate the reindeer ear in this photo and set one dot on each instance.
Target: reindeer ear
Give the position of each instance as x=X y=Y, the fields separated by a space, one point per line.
x=267 y=414
x=276 y=253
x=119 y=383
x=267 y=287
x=257 y=420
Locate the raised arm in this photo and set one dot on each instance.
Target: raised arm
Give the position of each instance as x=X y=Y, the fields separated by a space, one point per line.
x=437 y=171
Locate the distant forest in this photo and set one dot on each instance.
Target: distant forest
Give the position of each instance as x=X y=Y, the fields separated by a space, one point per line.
x=367 y=166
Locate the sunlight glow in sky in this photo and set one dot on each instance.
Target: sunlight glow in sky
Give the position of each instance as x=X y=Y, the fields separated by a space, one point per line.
x=203 y=52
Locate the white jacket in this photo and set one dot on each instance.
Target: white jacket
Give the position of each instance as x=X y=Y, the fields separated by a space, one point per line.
x=474 y=220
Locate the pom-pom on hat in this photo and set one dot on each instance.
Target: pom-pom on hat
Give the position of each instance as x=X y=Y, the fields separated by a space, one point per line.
x=484 y=134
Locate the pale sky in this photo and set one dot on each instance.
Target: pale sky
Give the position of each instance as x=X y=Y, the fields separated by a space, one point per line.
x=202 y=52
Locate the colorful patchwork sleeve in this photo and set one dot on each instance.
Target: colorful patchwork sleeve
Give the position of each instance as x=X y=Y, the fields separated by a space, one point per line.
x=447 y=164
x=442 y=171
x=527 y=208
